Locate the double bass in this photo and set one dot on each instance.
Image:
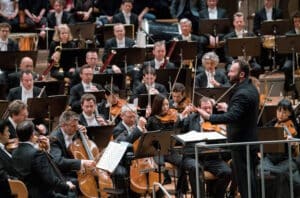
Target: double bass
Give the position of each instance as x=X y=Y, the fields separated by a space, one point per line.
x=91 y=182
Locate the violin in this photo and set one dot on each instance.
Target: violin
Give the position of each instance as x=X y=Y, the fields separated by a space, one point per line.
x=182 y=104
x=209 y=127
x=115 y=110
x=288 y=125
x=170 y=117
x=12 y=144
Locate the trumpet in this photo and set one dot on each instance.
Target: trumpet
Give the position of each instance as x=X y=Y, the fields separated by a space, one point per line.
x=58 y=50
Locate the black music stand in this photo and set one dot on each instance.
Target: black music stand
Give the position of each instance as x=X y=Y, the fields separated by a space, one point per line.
x=3 y=109
x=101 y=135
x=10 y=60
x=78 y=55
x=271 y=134
x=268 y=114
x=53 y=87
x=290 y=45
x=214 y=26
x=83 y=31
x=38 y=108
x=247 y=46
x=99 y=95
x=213 y=93
x=3 y=89
x=184 y=51
x=57 y=104
x=105 y=79
x=128 y=56
x=275 y=27
x=155 y=143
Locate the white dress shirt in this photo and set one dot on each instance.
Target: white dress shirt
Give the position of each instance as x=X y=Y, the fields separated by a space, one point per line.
x=269 y=13
x=210 y=76
x=121 y=43
x=3 y=45
x=86 y=87
x=91 y=120
x=26 y=94
x=158 y=63
x=58 y=17
x=68 y=138
x=127 y=17
x=212 y=13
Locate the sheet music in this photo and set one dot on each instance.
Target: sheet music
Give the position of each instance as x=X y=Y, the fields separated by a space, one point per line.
x=112 y=156
x=194 y=136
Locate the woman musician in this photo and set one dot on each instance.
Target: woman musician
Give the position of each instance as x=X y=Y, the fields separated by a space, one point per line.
x=61 y=67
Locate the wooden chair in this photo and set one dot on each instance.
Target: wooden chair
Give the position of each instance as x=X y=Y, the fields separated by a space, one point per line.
x=18 y=188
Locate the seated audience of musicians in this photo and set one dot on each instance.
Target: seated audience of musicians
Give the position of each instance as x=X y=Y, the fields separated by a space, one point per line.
x=110 y=107
x=277 y=163
x=86 y=85
x=148 y=85
x=7 y=171
x=126 y=16
x=34 y=166
x=212 y=163
x=63 y=66
x=26 y=89
x=63 y=137
x=240 y=32
x=34 y=12
x=127 y=130
x=83 y=11
x=287 y=67
x=9 y=11
x=89 y=115
x=118 y=41
x=179 y=99
x=212 y=11
x=211 y=77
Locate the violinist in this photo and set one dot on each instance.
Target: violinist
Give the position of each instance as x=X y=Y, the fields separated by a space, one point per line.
x=209 y=76
x=6 y=169
x=179 y=100
x=89 y=115
x=277 y=164
x=212 y=163
x=63 y=136
x=148 y=85
x=110 y=107
x=128 y=130
x=35 y=167
x=86 y=85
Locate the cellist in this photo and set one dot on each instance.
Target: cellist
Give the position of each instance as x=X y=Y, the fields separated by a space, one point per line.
x=128 y=130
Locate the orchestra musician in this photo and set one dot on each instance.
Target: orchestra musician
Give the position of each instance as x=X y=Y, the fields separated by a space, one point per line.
x=59 y=15
x=26 y=89
x=277 y=163
x=63 y=136
x=241 y=116
x=7 y=171
x=128 y=130
x=86 y=85
x=211 y=77
x=179 y=99
x=212 y=163
x=35 y=167
x=89 y=115
x=240 y=32
x=110 y=107
x=62 y=39
x=148 y=84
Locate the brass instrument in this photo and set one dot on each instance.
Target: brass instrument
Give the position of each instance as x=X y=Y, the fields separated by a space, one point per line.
x=268 y=41
x=58 y=50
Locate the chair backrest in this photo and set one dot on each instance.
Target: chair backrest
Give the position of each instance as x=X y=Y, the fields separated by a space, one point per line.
x=18 y=188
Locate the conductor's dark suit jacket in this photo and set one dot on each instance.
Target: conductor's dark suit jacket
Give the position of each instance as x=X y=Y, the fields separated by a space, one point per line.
x=241 y=117
x=120 y=133
x=36 y=171
x=261 y=16
x=16 y=93
x=220 y=76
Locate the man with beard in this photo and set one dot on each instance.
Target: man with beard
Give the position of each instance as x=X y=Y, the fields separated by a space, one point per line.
x=241 y=117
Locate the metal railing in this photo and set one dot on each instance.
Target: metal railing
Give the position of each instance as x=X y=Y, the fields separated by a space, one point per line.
x=202 y=145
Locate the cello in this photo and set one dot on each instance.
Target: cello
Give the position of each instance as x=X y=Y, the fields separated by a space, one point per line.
x=91 y=182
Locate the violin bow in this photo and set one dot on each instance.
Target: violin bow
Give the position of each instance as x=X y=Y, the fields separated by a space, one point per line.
x=225 y=93
x=264 y=104
x=111 y=92
x=194 y=81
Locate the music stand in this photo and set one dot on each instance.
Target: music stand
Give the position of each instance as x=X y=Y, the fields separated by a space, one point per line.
x=53 y=87
x=247 y=46
x=275 y=27
x=78 y=55
x=214 y=26
x=184 y=51
x=268 y=114
x=128 y=56
x=10 y=60
x=83 y=31
x=99 y=95
x=101 y=135
x=3 y=90
x=155 y=143
x=3 y=108
x=271 y=134
x=213 y=93
x=105 y=79
x=37 y=108
x=57 y=104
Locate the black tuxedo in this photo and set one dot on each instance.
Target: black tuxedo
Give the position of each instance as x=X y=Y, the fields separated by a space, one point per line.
x=203 y=14
x=112 y=43
x=61 y=155
x=12 y=130
x=241 y=120
x=103 y=110
x=16 y=93
x=75 y=95
x=220 y=76
x=13 y=79
x=178 y=7
x=261 y=16
x=82 y=120
x=38 y=174
x=12 y=46
x=65 y=19
x=122 y=134
x=141 y=89
x=120 y=18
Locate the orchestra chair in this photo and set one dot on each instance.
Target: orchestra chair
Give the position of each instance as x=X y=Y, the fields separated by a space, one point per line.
x=18 y=188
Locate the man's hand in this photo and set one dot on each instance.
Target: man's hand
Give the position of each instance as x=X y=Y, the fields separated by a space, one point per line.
x=88 y=164
x=203 y=114
x=116 y=69
x=71 y=185
x=222 y=106
x=142 y=123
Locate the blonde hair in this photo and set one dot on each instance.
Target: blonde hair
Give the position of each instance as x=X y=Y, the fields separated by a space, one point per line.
x=61 y=28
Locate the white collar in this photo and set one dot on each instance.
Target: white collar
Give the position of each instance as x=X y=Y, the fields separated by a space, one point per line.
x=26 y=90
x=128 y=128
x=12 y=122
x=212 y=9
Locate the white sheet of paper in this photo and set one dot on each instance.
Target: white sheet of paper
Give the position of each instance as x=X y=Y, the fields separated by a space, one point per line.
x=194 y=136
